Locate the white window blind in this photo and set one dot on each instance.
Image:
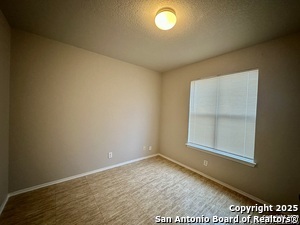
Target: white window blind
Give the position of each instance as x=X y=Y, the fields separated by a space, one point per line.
x=223 y=115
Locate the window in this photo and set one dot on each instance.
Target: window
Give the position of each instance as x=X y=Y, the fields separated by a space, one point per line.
x=223 y=115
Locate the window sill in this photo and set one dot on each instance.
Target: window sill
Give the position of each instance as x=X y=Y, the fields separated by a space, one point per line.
x=226 y=155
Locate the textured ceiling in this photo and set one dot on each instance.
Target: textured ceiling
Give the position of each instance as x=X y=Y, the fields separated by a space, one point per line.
x=125 y=29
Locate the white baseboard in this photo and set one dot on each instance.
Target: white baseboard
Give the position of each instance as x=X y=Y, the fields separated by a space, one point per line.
x=77 y=176
x=218 y=181
x=3 y=204
x=125 y=163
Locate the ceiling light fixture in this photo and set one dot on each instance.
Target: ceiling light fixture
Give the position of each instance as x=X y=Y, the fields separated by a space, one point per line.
x=165 y=19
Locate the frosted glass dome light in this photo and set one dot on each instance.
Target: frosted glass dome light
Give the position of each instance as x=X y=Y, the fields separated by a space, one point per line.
x=165 y=19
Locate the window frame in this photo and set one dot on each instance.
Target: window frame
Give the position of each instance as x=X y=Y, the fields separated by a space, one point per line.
x=224 y=154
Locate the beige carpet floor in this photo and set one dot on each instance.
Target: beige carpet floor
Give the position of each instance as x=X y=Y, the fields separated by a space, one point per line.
x=132 y=194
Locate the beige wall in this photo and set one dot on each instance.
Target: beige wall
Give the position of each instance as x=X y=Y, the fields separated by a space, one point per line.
x=4 y=104
x=70 y=107
x=276 y=177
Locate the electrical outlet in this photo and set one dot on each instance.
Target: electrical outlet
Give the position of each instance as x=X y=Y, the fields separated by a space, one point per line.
x=110 y=155
x=144 y=148
x=205 y=163
x=150 y=148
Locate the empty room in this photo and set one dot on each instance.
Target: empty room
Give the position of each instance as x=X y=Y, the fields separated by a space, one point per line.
x=149 y=111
